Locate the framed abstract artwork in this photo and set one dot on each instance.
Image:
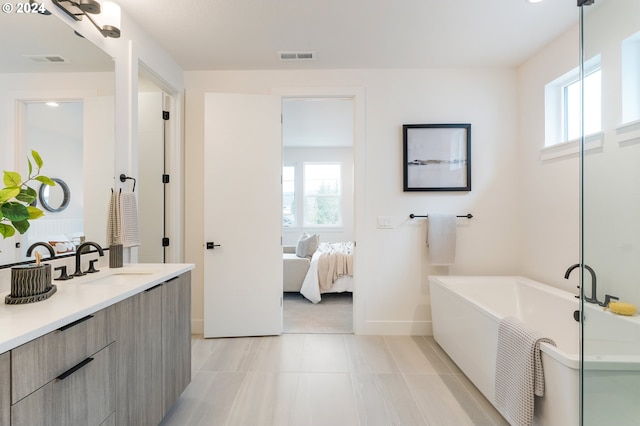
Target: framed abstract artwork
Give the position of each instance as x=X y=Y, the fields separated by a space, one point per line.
x=437 y=157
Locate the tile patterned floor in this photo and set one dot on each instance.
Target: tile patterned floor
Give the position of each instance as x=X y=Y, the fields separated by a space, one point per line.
x=327 y=379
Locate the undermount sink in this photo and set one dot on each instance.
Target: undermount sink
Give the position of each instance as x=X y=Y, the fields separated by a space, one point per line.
x=111 y=277
x=134 y=272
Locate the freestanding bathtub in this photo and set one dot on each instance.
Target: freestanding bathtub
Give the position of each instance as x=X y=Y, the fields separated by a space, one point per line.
x=466 y=312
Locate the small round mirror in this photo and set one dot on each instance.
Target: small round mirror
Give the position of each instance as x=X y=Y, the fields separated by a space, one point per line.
x=54 y=198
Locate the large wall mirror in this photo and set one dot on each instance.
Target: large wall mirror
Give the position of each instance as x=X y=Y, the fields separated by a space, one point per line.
x=57 y=91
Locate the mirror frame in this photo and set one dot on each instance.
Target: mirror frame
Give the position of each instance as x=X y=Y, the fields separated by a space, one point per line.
x=66 y=196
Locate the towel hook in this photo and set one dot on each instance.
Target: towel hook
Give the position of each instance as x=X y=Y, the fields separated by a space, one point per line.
x=123 y=178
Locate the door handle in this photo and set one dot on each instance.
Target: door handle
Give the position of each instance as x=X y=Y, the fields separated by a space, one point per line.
x=211 y=245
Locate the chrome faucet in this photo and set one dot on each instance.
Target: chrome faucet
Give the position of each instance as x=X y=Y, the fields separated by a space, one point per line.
x=81 y=247
x=594 y=294
x=52 y=252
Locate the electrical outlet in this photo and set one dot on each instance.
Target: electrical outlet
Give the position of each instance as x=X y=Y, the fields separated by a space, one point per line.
x=385 y=222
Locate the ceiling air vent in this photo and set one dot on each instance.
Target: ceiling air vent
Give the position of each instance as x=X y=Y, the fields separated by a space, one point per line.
x=296 y=56
x=46 y=58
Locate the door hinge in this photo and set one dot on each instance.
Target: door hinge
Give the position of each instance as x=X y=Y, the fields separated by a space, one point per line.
x=165 y=241
x=165 y=115
x=165 y=178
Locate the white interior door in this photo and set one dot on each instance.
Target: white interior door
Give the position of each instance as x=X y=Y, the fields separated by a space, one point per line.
x=243 y=215
x=149 y=186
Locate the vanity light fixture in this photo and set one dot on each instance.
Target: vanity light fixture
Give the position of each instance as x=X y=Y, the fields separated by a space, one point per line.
x=52 y=104
x=106 y=14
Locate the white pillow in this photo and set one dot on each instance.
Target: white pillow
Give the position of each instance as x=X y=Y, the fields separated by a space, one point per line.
x=307 y=245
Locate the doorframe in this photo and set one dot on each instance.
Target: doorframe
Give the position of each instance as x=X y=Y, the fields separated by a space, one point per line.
x=357 y=94
x=173 y=99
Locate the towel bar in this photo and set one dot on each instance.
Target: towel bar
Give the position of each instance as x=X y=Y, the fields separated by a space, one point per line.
x=468 y=216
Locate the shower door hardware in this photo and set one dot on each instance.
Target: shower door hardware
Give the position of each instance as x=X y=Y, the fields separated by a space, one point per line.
x=211 y=245
x=576 y=315
x=165 y=241
x=165 y=115
x=165 y=178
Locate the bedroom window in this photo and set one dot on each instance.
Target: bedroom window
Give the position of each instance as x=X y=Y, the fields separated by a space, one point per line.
x=322 y=194
x=289 y=197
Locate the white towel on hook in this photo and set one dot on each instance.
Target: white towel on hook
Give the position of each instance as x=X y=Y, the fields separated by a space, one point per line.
x=129 y=220
x=114 y=224
x=441 y=238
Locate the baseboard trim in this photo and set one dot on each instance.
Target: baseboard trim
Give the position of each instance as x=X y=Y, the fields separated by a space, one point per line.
x=380 y=328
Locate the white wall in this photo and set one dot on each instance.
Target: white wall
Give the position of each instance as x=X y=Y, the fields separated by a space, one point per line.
x=392 y=275
x=549 y=192
x=611 y=201
x=344 y=156
x=550 y=197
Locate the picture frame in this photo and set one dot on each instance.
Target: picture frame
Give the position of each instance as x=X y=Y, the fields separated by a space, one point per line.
x=437 y=157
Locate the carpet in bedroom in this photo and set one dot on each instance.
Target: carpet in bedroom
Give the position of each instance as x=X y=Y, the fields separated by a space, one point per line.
x=334 y=314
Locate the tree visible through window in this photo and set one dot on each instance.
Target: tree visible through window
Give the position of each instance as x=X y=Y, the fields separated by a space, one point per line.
x=322 y=194
x=316 y=199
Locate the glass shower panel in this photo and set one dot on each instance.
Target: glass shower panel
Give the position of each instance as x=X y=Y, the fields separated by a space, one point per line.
x=610 y=361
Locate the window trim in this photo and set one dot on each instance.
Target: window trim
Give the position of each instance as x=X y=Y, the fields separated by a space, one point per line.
x=295 y=195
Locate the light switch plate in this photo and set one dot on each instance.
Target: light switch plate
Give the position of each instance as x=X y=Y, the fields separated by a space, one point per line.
x=385 y=222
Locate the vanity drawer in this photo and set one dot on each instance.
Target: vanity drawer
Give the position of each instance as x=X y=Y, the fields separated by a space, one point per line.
x=39 y=361
x=83 y=395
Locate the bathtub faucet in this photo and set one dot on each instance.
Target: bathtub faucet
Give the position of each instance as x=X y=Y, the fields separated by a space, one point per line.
x=594 y=294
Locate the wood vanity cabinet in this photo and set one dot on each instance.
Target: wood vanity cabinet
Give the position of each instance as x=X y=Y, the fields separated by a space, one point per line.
x=154 y=351
x=139 y=337
x=84 y=397
x=65 y=377
x=5 y=389
x=124 y=365
x=176 y=342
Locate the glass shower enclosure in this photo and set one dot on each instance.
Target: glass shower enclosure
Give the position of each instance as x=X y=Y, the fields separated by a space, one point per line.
x=610 y=213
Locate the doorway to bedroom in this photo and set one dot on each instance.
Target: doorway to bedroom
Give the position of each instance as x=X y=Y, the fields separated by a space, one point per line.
x=318 y=214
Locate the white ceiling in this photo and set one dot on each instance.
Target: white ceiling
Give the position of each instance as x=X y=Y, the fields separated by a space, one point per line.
x=247 y=34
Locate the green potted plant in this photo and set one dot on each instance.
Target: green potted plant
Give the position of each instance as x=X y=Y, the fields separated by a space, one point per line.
x=17 y=198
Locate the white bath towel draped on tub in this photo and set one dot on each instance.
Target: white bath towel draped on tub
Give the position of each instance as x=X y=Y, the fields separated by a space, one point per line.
x=519 y=374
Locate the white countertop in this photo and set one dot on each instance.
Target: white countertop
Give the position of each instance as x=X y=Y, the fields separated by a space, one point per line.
x=79 y=297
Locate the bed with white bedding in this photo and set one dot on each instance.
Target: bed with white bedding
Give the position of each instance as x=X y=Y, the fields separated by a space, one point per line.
x=331 y=271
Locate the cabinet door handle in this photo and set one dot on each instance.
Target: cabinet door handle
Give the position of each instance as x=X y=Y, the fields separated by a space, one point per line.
x=73 y=324
x=74 y=369
x=154 y=287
